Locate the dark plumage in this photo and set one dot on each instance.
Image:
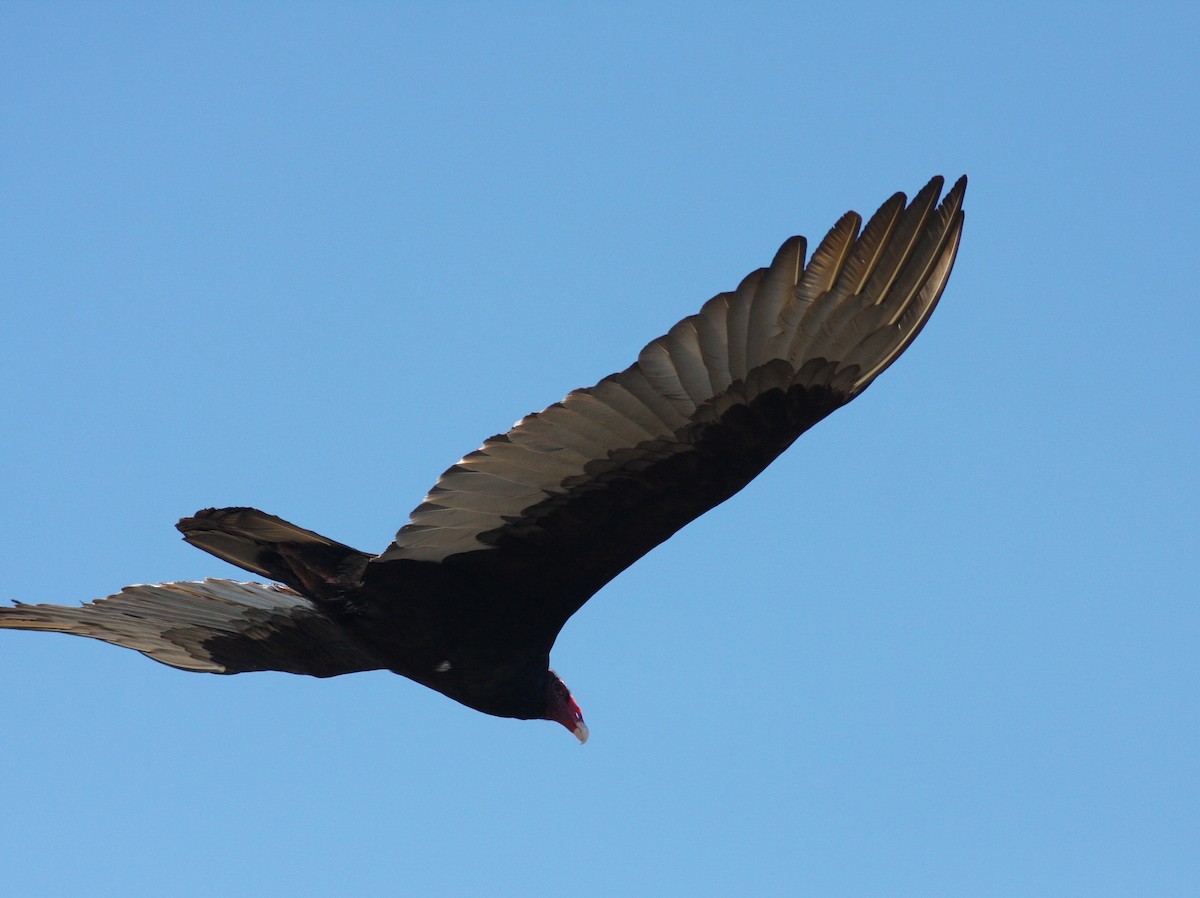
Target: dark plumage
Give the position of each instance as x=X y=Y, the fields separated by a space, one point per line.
x=516 y=536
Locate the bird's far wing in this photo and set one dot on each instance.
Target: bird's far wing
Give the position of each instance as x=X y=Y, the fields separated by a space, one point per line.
x=572 y=495
x=214 y=626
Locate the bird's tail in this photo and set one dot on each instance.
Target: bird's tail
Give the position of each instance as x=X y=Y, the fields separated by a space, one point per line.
x=314 y=565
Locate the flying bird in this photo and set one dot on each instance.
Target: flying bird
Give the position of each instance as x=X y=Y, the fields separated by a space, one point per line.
x=516 y=536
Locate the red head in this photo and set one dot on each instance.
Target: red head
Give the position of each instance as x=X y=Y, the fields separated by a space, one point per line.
x=561 y=706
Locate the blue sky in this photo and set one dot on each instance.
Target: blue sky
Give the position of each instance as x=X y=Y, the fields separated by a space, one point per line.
x=304 y=256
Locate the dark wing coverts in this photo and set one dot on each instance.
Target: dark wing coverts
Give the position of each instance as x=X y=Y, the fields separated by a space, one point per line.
x=550 y=511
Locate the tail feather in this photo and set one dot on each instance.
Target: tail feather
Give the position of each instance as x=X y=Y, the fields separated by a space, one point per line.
x=264 y=544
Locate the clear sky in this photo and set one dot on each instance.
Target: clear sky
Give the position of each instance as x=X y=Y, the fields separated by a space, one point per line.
x=305 y=256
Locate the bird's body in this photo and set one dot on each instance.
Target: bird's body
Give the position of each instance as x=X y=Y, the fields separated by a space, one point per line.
x=516 y=536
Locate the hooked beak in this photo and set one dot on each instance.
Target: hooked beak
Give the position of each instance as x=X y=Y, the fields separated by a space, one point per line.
x=572 y=719
x=563 y=707
x=568 y=714
x=581 y=732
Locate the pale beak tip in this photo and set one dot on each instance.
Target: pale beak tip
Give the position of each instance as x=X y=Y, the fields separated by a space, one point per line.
x=581 y=732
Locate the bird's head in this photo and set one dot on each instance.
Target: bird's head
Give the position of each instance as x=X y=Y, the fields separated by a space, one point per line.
x=561 y=706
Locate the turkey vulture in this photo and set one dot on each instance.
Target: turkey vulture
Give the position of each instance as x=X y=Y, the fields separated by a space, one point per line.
x=514 y=538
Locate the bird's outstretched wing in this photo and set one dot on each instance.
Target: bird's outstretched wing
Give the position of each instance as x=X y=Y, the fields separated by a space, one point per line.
x=550 y=511
x=214 y=626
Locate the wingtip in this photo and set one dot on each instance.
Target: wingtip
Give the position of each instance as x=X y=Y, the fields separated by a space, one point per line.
x=937 y=182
